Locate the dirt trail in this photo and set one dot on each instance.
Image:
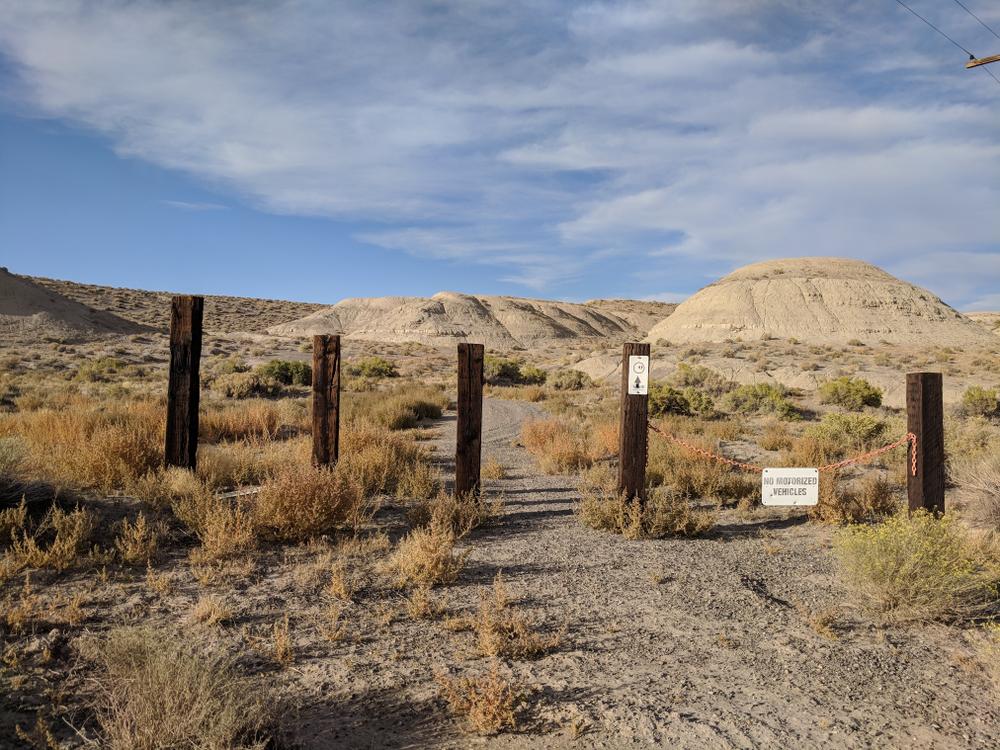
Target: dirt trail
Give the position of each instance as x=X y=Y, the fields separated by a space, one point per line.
x=701 y=643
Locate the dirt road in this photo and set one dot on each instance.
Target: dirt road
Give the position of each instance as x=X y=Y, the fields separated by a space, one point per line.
x=702 y=643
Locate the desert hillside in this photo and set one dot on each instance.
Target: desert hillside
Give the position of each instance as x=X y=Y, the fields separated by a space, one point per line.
x=223 y=314
x=29 y=309
x=499 y=322
x=817 y=301
x=989 y=319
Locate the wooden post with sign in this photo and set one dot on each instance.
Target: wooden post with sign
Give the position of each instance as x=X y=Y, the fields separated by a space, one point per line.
x=183 y=385
x=469 y=427
x=925 y=419
x=634 y=419
x=326 y=400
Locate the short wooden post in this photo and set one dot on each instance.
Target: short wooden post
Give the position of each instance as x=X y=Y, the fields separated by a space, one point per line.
x=632 y=431
x=183 y=386
x=326 y=400
x=469 y=429
x=925 y=419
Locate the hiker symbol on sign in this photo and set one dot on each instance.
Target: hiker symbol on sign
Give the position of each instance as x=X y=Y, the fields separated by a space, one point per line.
x=638 y=381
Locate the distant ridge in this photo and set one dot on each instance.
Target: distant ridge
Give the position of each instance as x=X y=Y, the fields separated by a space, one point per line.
x=499 y=322
x=29 y=309
x=819 y=301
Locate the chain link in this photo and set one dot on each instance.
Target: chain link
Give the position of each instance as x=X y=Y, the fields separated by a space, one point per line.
x=864 y=457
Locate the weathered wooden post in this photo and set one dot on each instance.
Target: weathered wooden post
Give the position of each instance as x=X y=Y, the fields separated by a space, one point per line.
x=925 y=419
x=469 y=427
x=326 y=400
x=634 y=418
x=183 y=386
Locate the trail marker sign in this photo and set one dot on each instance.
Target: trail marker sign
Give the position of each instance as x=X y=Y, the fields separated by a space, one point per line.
x=789 y=487
x=638 y=375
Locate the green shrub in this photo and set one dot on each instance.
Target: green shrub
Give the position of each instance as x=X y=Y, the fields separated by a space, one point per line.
x=917 y=568
x=503 y=371
x=229 y=365
x=570 y=380
x=372 y=367
x=699 y=376
x=286 y=372
x=980 y=402
x=760 y=398
x=849 y=432
x=531 y=375
x=850 y=393
x=665 y=399
x=699 y=403
x=99 y=370
x=246 y=385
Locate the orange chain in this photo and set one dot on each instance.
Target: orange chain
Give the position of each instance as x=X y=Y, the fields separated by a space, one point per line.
x=908 y=438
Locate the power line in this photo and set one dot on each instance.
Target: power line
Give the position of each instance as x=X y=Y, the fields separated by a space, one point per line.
x=971 y=56
x=985 y=26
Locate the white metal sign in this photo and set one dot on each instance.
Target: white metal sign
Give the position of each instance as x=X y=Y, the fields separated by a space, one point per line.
x=790 y=487
x=638 y=375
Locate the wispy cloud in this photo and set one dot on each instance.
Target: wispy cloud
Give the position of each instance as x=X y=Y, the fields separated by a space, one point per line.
x=533 y=137
x=194 y=206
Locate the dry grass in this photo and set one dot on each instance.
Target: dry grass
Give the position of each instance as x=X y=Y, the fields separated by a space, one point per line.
x=421 y=604
x=89 y=446
x=501 y=631
x=156 y=692
x=918 y=568
x=560 y=446
x=427 y=556
x=492 y=470
x=249 y=419
x=378 y=461
x=303 y=502
x=282 y=644
x=489 y=703
x=978 y=481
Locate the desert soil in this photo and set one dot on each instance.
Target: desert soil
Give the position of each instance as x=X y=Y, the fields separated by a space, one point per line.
x=680 y=643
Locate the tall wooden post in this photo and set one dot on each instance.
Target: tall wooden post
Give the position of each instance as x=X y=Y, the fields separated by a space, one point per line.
x=633 y=428
x=925 y=419
x=469 y=430
x=326 y=400
x=183 y=386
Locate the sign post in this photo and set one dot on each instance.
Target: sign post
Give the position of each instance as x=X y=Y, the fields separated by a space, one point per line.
x=183 y=385
x=633 y=429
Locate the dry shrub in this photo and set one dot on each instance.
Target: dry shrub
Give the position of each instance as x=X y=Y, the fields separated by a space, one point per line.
x=284 y=647
x=13 y=521
x=302 y=502
x=378 y=461
x=211 y=610
x=396 y=409
x=224 y=527
x=978 y=481
x=493 y=470
x=138 y=541
x=57 y=542
x=918 y=568
x=666 y=513
x=776 y=436
x=678 y=469
x=460 y=513
x=489 y=703
x=503 y=632
x=421 y=605
x=426 y=556
x=874 y=499
x=89 y=447
x=604 y=439
x=253 y=419
x=21 y=609
x=558 y=444
x=156 y=692
x=342 y=584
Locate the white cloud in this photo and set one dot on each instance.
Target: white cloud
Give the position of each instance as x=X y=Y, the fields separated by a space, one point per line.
x=537 y=138
x=194 y=206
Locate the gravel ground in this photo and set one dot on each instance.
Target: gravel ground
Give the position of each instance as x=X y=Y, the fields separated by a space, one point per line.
x=673 y=643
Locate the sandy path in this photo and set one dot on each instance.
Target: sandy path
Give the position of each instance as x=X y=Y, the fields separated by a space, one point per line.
x=671 y=643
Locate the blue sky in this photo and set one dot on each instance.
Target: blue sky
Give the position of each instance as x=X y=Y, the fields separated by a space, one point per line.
x=316 y=150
